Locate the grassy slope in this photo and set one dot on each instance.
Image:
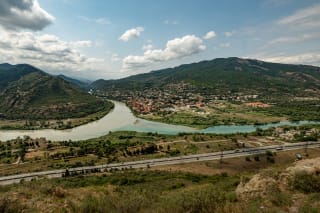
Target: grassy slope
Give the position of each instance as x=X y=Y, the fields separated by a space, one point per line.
x=277 y=84
x=231 y=74
x=32 y=94
x=196 y=187
x=157 y=191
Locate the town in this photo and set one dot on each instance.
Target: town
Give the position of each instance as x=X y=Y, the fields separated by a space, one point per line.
x=177 y=97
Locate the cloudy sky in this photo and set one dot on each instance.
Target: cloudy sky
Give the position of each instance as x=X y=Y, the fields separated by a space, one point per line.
x=116 y=38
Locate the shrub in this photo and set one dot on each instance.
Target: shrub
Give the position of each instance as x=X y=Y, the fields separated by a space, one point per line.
x=306 y=183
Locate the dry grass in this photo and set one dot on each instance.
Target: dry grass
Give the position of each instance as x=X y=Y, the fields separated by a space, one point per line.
x=235 y=166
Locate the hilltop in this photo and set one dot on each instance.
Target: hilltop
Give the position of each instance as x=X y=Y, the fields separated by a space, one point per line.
x=225 y=75
x=29 y=93
x=221 y=91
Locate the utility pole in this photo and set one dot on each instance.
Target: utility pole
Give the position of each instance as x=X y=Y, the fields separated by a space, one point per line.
x=221 y=156
x=306 y=149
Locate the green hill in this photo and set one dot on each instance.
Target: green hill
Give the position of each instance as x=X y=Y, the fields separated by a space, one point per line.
x=221 y=91
x=225 y=75
x=29 y=93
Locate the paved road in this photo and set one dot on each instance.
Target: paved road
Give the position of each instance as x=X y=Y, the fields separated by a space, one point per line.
x=159 y=161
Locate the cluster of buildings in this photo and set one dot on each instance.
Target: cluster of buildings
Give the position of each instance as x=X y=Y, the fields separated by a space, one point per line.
x=291 y=134
x=173 y=97
x=140 y=106
x=257 y=104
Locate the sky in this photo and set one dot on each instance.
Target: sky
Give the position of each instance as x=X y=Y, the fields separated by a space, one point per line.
x=118 y=38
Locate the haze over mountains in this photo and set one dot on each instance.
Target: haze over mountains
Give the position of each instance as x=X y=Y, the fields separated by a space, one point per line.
x=227 y=75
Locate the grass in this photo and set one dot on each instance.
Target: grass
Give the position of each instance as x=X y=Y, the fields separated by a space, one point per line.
x=236 y=166
x=194 y=187
x=27 y=155
x=155 y=191
x=41 y=154
x=222 y=113
x=65 y=123
x=143 y=191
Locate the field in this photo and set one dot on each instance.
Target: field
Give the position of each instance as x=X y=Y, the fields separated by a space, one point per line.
x=28 y=155
x=228 y=113
x=212 y=186
x=165 y=190
x=219 y=113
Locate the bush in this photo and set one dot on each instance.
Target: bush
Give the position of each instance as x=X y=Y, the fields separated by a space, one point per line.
x=9 y=206
x=307 y=208
x=306 y=183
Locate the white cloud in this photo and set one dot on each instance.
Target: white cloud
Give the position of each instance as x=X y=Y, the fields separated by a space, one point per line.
x=175 y=49
x=101 y=20
x=147 y=47
x=295 y=39
x=131 y=33
x=23 y=14
x=312 y=58
x=305 y=18
x=225 y=45
x=210 y=35
x=46 y=51
x=99 y=43
x=115 y=57
x=81 y=44
x=229 y=34
x=174 y=22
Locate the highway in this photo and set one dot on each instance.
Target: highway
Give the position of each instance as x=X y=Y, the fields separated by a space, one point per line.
x=5 y=180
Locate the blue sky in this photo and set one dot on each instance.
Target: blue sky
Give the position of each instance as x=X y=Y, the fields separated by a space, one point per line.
x=116 y=38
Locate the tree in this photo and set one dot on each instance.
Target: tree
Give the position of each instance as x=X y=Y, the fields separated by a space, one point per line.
x=22 y=151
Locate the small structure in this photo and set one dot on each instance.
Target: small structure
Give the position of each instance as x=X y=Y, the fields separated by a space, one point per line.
x=298 y=156
x=257 y=104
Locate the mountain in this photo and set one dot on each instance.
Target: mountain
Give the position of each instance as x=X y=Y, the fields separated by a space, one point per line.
x=227 y=75
x=27 y=92
x=10 y=73
x=79 y=83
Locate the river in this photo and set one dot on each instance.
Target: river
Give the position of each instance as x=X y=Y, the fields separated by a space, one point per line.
x=122 y=119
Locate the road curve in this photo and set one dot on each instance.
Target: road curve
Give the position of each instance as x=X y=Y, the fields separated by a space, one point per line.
x=5 y=180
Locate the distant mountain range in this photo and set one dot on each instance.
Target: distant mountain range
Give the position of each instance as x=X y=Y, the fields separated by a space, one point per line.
x=227 y=75
x=82 y=84
x=27 y=92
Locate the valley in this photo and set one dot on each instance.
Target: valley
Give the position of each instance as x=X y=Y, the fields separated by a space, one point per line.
x=33 y=99
x=188 y=134
x=204 y=94
x=127 y=106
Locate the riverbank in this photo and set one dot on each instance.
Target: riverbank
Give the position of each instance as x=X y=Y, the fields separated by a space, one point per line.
x=227 y=113
x=58 y=124
x=203 y=122
x=122 y=119
x=212 y=186
x=27 y=154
